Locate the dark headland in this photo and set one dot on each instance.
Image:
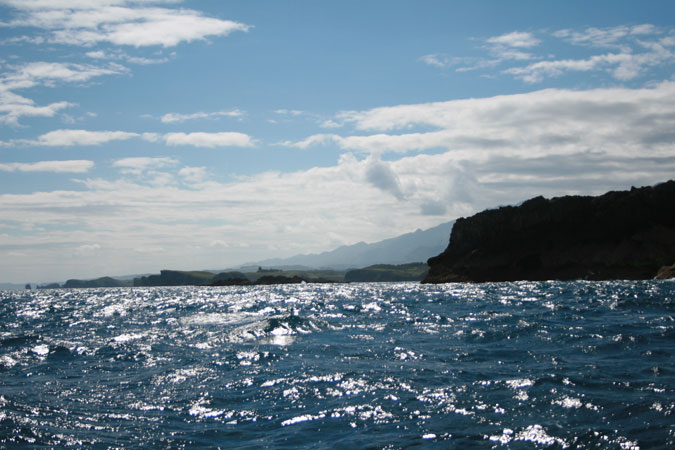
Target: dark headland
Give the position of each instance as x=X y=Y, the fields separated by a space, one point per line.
x=618 y=235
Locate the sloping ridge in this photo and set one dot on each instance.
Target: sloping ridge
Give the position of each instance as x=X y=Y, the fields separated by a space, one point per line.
x=417 y=246
x=619 y=235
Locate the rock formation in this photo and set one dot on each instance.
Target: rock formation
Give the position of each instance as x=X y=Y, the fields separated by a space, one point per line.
x=618 y=235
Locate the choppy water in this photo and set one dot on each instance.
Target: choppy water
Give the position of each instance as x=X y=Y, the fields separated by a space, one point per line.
x=505 y=365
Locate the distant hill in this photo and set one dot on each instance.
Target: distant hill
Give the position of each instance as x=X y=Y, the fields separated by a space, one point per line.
x=11 y=286
x=388 y=272
x=417 y=246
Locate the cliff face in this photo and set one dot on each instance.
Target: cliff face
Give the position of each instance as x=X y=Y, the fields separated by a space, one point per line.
x=619 y=235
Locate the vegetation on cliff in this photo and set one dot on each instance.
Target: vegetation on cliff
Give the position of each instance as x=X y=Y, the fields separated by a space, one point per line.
x=619 y=235
x=388 y=272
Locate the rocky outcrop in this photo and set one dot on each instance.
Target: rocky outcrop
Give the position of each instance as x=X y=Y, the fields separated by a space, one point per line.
x=666 y=273
x=619 y=235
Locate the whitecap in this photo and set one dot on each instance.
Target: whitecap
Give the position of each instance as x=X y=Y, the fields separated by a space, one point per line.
x=569 y=402
x=302 y=418
x=537 y=434
x=372 y=307
x=126 y=337
x=519 y=383
x=42 y=349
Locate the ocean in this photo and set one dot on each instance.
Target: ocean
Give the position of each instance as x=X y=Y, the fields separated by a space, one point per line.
x=579 y=365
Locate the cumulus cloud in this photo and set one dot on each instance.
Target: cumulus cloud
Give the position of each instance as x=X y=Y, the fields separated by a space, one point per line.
x=72 y=166
x=379 y=174
x=129 y=22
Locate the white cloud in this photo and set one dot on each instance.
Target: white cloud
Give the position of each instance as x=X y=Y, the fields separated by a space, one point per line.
x=380 y=174
x=137 y=165
x=434 y=59
x=72 y=137
x=330 y=124
x=280 y=214
x=210 y=140
x=122 y=56
x=47 y=73
x=622 y=66
x=128 y=23
x=317 y=139
x=517 y=39
x=635 y=50
x=289 y=112
x=176 y=117
x=72 y=166
x=606 y=37
x=524 y=125
x=66 y=138
x=193 y=174
x=13 y=107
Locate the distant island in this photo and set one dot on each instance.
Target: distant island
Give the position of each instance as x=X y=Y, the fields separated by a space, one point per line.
x=260 y=277
x=618 y=235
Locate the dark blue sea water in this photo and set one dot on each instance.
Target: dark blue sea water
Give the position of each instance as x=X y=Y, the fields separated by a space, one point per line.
x=585 y=365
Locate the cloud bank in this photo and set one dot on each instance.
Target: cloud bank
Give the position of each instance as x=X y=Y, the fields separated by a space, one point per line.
x=454 y=158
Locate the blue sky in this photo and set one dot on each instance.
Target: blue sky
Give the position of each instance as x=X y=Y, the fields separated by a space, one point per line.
x=141 y=135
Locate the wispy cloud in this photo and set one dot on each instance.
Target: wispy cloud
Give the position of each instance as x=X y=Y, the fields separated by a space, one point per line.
x=72 y=166
x=177 y=117
x=289 y=112
x=120 y=22
x=104 y=23
x=518 y=39
x=119 y=55
x=634 y=51
x=28 y=75
x=48 y=73
x=621 y=66
x=138 y=165
x=606 y=37
x=73 y=137
x=13 y=107
x=67 y=138
x=210 y=140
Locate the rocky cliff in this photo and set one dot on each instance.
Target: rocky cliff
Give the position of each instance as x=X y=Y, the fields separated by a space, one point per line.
x=619 y=235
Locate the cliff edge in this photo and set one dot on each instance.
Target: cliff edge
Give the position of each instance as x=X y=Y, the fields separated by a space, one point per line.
x=618 y=235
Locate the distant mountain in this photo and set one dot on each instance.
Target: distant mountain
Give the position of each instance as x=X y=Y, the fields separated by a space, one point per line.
x=417 y=246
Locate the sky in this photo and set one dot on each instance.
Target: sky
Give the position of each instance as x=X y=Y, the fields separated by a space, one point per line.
x=139 y=135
